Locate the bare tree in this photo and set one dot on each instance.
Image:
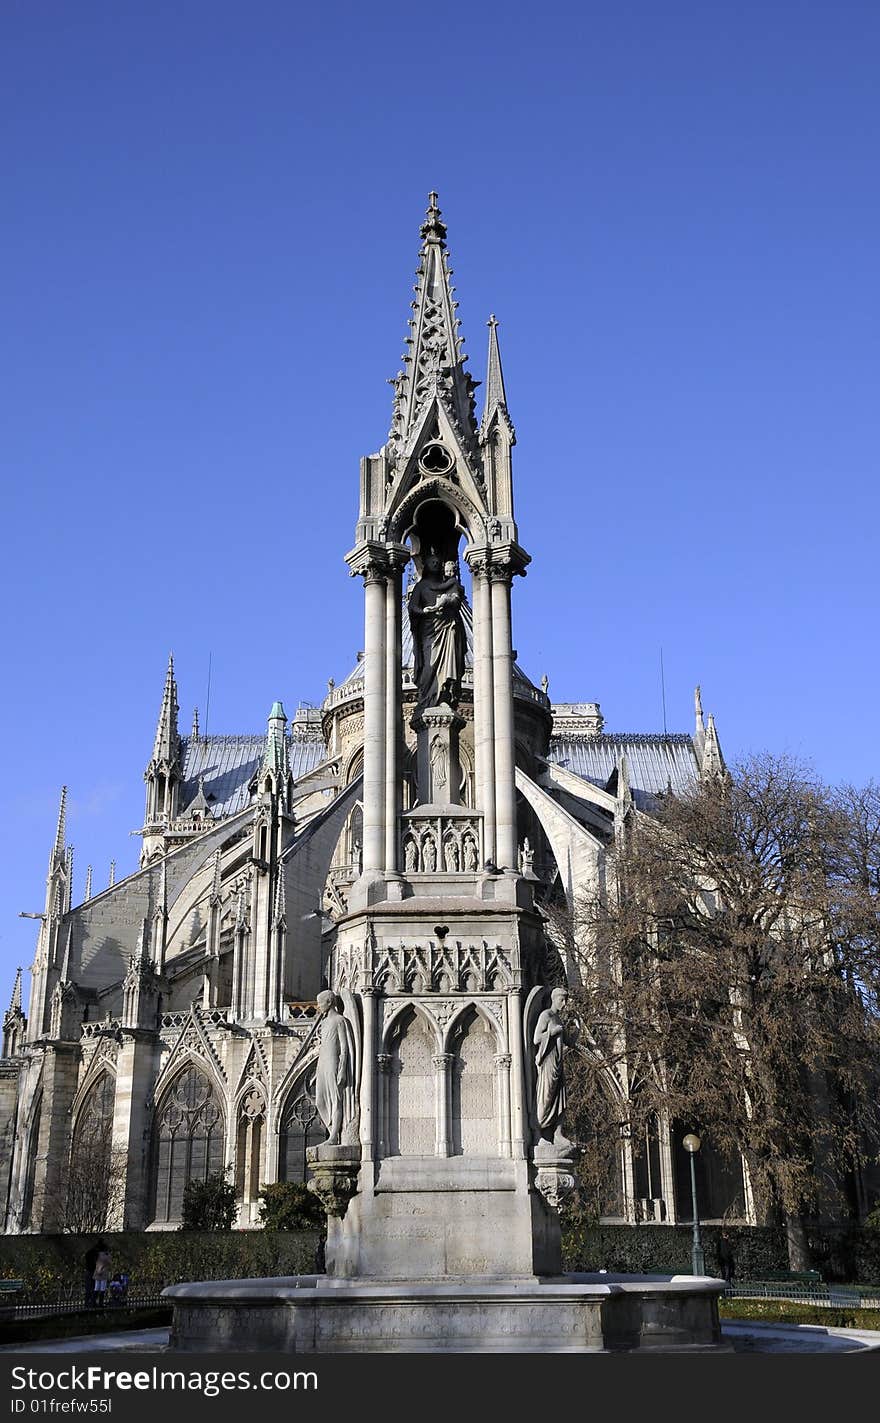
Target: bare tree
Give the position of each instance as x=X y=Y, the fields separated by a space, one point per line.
x=729 y=979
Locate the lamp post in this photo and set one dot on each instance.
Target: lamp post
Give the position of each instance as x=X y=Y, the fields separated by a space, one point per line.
x=691 y=1144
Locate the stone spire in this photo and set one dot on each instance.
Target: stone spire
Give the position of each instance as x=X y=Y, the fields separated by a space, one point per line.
x=496 y=396
x=276 y=760
x=433 y=364
x=14 y=1022
x=166 y=746
x=57 y=855
x=163 y=773
x=713 y=761
x=699 y=724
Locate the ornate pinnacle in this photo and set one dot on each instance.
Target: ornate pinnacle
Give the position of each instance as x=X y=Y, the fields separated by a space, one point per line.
x=15 y=1001
x=58 y=847
x=433 y=229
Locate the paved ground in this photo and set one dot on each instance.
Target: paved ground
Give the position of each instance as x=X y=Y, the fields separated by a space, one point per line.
x=747 y=1337
x=133 y=1340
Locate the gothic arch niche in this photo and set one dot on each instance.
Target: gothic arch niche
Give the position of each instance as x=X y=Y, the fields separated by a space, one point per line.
x=412 y=1115
x=90 y=1177
x=300 y=1127
x=187 y=1140
x=474 y=1114
x=250 y=1146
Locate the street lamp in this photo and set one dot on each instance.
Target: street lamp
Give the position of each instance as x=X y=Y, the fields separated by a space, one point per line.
x=691 y=1144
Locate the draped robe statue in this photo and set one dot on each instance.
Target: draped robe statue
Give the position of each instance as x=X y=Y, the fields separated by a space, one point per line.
x=549 y=1039
x=335 y=1079
x=438 y=633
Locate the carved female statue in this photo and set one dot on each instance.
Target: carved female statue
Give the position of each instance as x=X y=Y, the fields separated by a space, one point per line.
x=549 y=1039
x=438 y=634
x=335 y=1076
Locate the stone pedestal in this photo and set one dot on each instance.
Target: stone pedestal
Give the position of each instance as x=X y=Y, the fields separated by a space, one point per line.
x=334 y=1176
x=438 y=764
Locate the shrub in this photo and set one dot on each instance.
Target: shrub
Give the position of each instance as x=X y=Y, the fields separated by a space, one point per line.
x=289 y=1205
x=208 y=1204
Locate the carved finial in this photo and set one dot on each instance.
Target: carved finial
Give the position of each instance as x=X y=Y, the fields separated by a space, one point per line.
x=15 y=1000
x=88 y=893
x=68 y=894
x=215 y=887
x=195 y=726
x=112 y=879
x=433 y=229
x=278 y=915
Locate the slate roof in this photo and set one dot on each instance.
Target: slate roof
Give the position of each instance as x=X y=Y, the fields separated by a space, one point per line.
x=655 y=761
x=228 y=763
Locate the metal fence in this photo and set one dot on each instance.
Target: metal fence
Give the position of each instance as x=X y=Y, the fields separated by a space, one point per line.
x=805 y=1292
x=13 y=1307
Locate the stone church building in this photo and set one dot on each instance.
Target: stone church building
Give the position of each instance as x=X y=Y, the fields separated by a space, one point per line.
x=395 y=844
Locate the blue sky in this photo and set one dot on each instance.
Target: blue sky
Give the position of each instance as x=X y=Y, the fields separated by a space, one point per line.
x=210 y=230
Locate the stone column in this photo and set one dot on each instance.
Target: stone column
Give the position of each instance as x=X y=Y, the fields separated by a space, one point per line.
x=442 y=1063
x=502 y=1081
x=667 y=1172
x=368 y=1059
x=374 y=721
x=519 y=1132
x=383 y=1067
x=502 y=684
x=392 y=716
x=484 y=711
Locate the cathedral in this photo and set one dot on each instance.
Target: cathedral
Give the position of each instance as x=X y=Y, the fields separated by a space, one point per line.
x=391 y=851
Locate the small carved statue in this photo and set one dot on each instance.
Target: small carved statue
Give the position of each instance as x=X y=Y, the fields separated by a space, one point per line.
x=429 y=855
x=335 y=1078
x=438 y=633
x=550 y=1041
x=450 y=855
x=469 y=854
x=411 y=854
x=526 y=858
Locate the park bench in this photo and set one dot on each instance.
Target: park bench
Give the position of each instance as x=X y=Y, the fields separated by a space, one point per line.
x=793 y=1277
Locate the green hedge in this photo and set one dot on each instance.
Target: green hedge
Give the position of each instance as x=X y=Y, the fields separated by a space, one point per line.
x=49 y=1264
x=852 y=1254
x=774 y=1311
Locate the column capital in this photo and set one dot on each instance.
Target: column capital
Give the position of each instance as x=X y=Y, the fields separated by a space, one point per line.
x=442 y=1059
x=497 y=561
x=503 y=1060
x=383 y=1061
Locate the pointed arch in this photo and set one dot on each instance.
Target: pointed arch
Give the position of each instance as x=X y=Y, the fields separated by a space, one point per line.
x=298 y=1125
x=474 y=1115
x=189 y=1134
x=411 y=1040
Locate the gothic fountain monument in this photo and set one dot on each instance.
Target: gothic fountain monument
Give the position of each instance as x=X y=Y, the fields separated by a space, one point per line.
x=440 y=1042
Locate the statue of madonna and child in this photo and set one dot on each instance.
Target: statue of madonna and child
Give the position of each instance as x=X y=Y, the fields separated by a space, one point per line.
x=437 y=622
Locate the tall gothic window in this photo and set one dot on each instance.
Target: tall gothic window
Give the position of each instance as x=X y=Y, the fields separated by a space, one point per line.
x=301 y=1127
x=188 y=1141
x=90 y=1180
